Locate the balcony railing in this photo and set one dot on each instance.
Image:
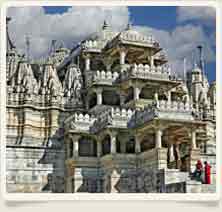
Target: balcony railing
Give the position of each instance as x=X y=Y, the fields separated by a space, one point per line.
x=127 y=118
x=146 y=72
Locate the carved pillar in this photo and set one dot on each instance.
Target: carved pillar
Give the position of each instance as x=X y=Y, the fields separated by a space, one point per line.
x=122 y=57
x=156 y=99
x=169 y=96
x=171 y=153
x=158 y=138
x=136 y=92
x=99 y=96
x=75 y=140
x=87 y=63
x=87 y=74
x=178 y=159
x=99 y=149
x=113 y=142
x=151 y=61
x=137 y=144
x=193 y=139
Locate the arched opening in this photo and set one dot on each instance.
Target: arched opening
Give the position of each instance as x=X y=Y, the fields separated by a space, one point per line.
x=130 y=146
x=92 y=100
x=110 y=98
x=87 y=147
x=106 y=145
x=147 y=143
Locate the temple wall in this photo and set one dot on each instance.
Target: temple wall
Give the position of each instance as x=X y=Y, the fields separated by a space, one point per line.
x=35 y=153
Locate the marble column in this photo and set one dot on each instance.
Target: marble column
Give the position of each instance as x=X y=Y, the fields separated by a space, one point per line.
x=178 y=159
x=193 y=139
x=113 y=143
x=169 y=96
x=156 y=99
x=171 y=153
x=122 y=57
x=158 y=138
x=75 y=140
x=99 y=149
x=151 y=61
x=136 y=93
x=99 y=96
x=137 y=145
x=87 y=63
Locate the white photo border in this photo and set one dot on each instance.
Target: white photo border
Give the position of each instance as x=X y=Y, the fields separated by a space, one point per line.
x=103 y=196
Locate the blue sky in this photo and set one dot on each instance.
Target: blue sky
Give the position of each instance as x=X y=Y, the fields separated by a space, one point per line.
x=167 y=24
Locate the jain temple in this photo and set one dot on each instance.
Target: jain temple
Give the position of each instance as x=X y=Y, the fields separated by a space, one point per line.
x=108 y=116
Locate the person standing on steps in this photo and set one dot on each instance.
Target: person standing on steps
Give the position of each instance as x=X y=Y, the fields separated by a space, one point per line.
x=207 y=170
x=199 y=170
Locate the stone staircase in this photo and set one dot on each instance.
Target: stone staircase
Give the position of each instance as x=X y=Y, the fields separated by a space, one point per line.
x=174 y=177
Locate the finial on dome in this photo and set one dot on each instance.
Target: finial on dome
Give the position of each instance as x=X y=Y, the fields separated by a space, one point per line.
x=105 y=25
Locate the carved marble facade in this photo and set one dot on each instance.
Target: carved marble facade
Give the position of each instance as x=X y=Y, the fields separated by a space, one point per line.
x=107 y=116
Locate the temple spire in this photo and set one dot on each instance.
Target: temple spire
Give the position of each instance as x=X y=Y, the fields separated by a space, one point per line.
x=10 y=45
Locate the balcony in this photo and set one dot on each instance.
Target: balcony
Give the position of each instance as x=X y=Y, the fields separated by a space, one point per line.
x=80 y=122
x=127 y=118
x=166 y=110
x=113 y=117
x=104 y=78
x=146 y=72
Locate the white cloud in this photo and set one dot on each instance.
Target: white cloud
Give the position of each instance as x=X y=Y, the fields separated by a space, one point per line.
x=181 y=43
x=79 y=22
x=207 y=14
x=70 y=27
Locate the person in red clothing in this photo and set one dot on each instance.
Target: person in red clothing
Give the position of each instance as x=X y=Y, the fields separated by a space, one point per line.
x=207 y=170
x=199 y=170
